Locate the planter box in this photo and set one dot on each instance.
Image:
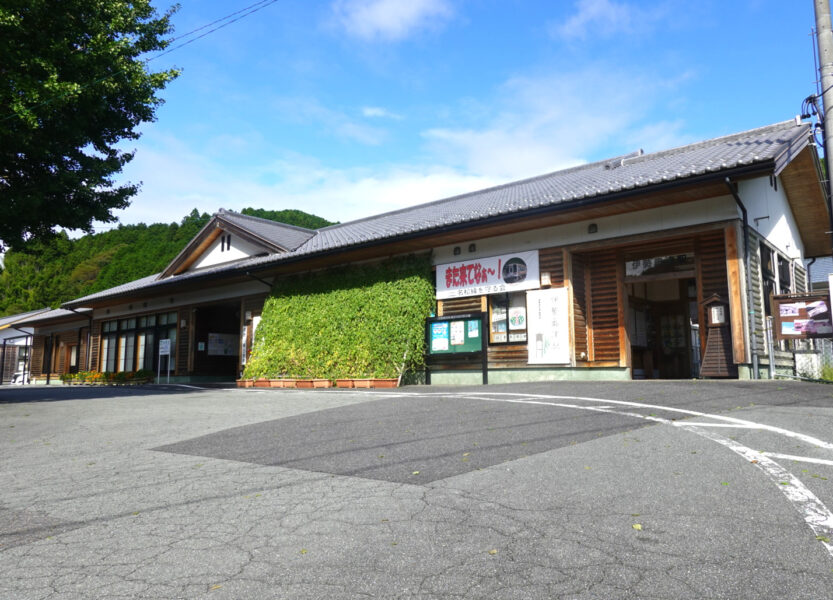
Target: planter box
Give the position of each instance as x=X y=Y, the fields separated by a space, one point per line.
x=385 y=383
x=276 y=383
x=322 y=383
x=245 y=383
x=362 y=383
x=289 y=382
x=344 y=383
x=304 y=383
x=261 y=383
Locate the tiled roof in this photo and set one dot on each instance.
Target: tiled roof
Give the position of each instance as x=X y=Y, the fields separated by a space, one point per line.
x=280 y=234
x=772 y=146
x=55 y=313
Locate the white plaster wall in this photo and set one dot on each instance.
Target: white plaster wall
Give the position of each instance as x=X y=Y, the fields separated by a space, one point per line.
x=770 y=215
x=711 y=210
x=214 y=256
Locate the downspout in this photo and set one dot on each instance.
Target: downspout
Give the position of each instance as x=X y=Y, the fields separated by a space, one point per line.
x=3 y=362
x=750 y=305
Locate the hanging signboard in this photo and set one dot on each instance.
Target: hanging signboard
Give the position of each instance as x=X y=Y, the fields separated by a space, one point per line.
x=492 y=275
x=548 y=326
x=802 y=316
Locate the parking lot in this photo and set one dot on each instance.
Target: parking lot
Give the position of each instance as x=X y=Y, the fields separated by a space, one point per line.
x=568 y=490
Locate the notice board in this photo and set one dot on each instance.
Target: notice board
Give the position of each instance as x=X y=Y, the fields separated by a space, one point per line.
x=455 y=335
x=802 y=316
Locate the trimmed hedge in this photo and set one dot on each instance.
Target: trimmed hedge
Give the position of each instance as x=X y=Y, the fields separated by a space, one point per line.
x=350 y=322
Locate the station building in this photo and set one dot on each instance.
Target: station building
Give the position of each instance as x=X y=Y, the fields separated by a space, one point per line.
x=626 y=256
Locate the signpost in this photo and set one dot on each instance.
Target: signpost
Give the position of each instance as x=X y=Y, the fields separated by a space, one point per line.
x=164 y=349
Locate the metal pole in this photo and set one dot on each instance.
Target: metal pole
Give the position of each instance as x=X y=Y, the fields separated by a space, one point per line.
x=824 y=32
x=3 y=363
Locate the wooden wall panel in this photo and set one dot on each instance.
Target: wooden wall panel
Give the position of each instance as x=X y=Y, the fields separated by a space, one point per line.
x=710 y=251
x=462 y=306
x=183 y=342
x=38 y=355
x=757 y=294
x=95 y=346
x=579 y=285
x=604 y=306
x=513 y=355
x=551 y=260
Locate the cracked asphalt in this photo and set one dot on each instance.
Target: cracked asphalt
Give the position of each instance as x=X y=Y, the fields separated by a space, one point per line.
x=563 y=490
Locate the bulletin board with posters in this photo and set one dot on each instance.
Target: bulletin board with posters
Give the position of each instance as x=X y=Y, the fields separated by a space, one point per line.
x=802 y=316
x=461 y=334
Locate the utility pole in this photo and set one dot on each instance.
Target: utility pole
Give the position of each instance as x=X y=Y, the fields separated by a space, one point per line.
x=824 y=32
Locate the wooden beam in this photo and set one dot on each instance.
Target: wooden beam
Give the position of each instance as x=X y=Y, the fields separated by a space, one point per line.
x=736 y=312
x=806 y=198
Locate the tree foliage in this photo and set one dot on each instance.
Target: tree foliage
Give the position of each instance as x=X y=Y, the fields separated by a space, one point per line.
x=358 y=321
x=47 y=272
x=72 y=85
x=295 y=217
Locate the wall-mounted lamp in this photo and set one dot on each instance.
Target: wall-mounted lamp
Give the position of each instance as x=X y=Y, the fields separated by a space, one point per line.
x=472 y=247
x=545 y=279
x=247 y=315
x=457 y=250
x=592 y=228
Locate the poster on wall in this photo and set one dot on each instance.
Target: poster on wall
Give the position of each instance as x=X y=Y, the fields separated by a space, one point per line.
x=491 y=275
x=804 y=316
x=223 y=344
x=548 y=327
x=439 y=337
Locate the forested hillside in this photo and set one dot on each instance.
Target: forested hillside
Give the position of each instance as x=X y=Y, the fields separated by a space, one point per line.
x=49 y=273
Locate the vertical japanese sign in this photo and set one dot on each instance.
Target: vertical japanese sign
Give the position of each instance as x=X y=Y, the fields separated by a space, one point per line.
x=492 y=275
x=548 y=326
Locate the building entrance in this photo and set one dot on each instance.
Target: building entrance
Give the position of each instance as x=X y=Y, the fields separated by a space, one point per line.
x=662 y=319
x=216 y=341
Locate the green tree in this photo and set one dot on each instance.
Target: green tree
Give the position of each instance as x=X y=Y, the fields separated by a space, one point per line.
x=289 y=216
x=72 y=85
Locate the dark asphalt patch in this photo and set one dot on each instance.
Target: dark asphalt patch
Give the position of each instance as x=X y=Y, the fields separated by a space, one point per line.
x=406 y=440
x=21 y=527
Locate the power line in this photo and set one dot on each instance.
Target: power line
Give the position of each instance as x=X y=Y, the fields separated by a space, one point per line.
x=249 y=10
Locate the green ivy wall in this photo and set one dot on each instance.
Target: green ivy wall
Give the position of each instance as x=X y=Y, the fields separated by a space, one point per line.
x=349 y=322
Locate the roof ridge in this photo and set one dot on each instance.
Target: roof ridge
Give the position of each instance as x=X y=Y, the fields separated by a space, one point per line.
x=223 y=211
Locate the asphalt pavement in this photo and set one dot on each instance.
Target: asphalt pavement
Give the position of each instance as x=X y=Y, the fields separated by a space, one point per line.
x=566 y=490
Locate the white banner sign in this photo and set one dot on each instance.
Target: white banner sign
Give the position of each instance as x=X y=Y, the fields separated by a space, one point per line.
x=164 y=347
x=548 y=326
x=492 y=275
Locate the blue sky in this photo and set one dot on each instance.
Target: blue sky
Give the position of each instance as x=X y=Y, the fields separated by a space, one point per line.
x=348 y=108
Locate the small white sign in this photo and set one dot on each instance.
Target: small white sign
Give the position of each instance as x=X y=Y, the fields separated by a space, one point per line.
x=164 y=347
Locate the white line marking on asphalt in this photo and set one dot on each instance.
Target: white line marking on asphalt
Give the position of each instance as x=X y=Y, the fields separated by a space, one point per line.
x=817 y=516
x=731 y=425
x=807 y=459
x=786 y=432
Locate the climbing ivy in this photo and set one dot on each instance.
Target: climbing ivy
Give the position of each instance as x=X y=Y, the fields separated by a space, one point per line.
x=350 y=322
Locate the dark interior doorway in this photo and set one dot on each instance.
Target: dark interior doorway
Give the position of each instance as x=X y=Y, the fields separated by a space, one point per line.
x=217 y=340
x=663 y=328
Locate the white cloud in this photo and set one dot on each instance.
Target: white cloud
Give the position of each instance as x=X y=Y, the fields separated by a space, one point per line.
x=545 y=123
x=389 y=20
x=373 y=112
x=334 y=122
x=603 y=18
x=177 y=179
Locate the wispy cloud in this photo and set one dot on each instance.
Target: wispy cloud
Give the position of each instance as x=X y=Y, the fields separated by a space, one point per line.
x=603 y=18
x=545 y=123
x=374 y=112
x=333 y=122
x=389 y=20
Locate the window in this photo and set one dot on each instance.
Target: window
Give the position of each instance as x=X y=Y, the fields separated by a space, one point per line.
x=507 y=318
x=128 y=344
x=767 y=276
x=785 y=280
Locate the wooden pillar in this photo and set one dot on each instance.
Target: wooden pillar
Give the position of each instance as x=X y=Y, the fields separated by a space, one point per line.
x=736 y=295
